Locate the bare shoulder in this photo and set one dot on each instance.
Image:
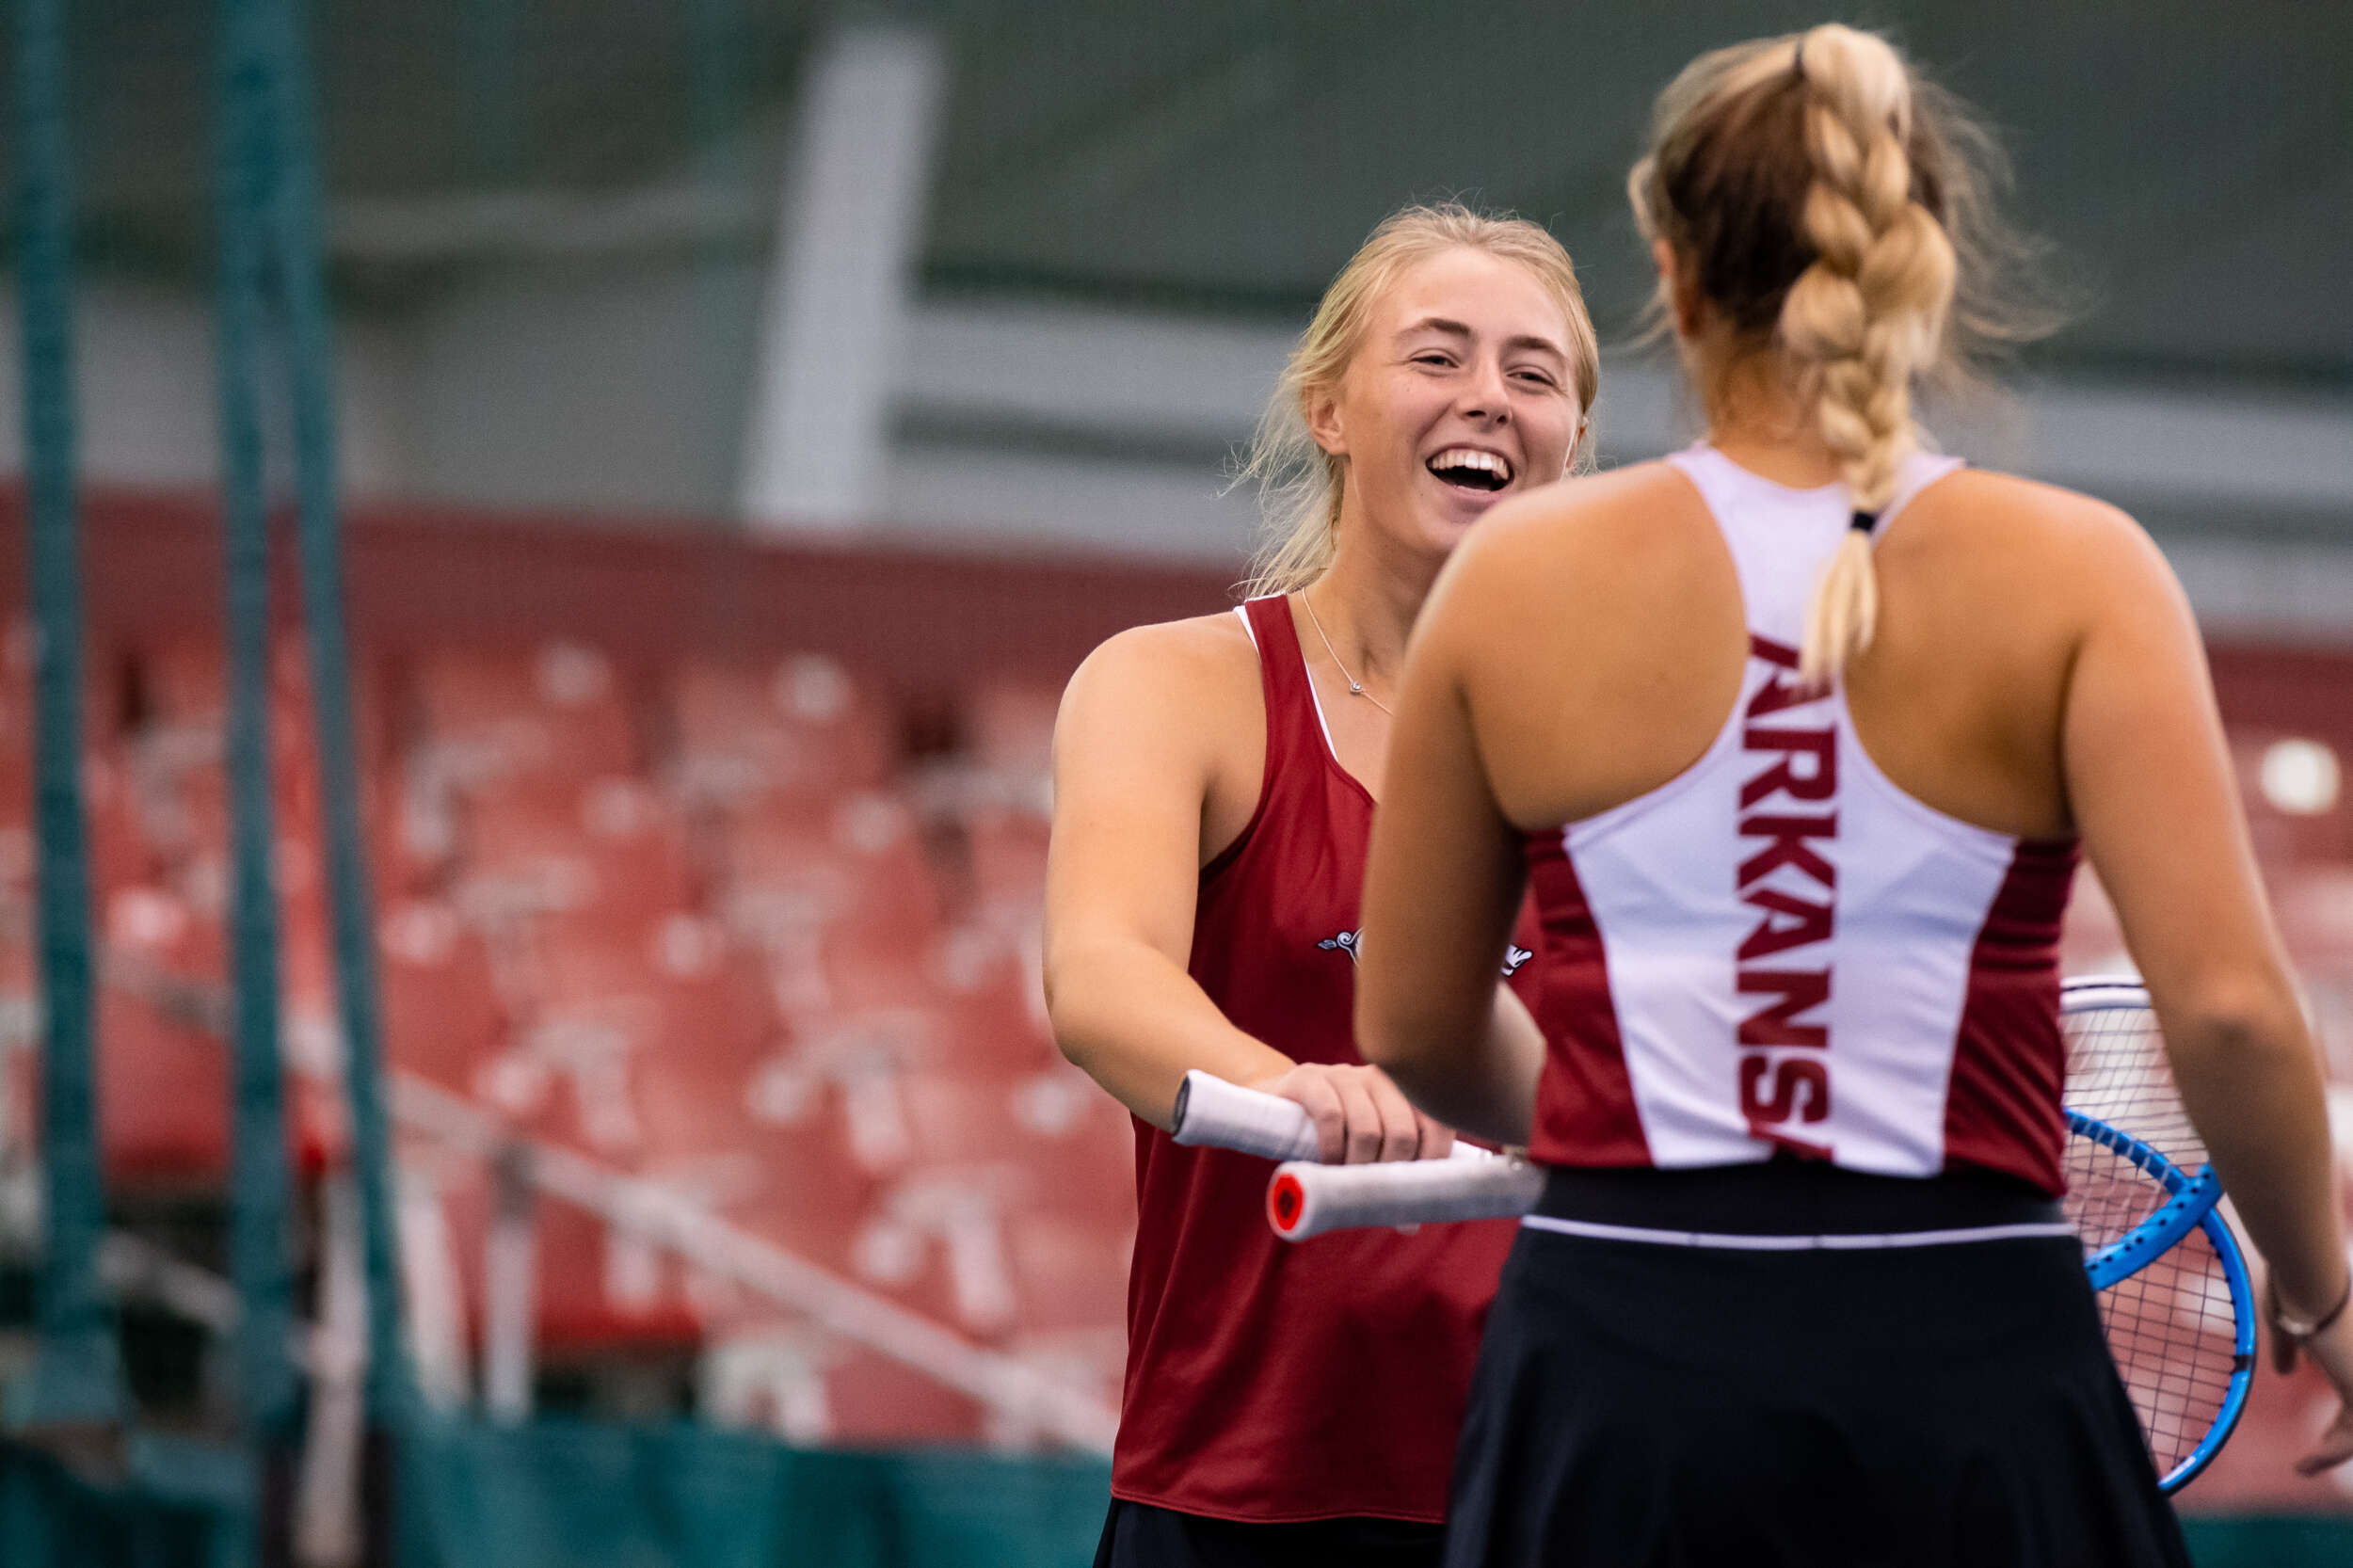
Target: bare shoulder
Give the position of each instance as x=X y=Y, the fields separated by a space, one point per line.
x=1194 y=678
x=1597 y=514
x=1994 y=500
x=1607 y=539
x=1198 y=656
x=1599 y=607
x=2038 y=529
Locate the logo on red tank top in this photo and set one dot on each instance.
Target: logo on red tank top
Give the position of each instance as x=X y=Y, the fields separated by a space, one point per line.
x=1352 y=943
x=1788 y=803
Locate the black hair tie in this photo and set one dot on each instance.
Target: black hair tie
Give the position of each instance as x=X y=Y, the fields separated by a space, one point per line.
x=1862 y=522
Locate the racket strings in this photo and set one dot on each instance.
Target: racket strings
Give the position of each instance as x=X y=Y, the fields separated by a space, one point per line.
x=2172 y=1326
x=2172 y=1332
x=2117 y=1073
x=2107 y=1195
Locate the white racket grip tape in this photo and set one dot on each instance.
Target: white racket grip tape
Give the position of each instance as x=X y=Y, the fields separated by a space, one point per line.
x=1213 y=1113
x=1307 y=1199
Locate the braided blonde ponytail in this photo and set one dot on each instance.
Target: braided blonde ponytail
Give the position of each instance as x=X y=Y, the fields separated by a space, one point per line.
x=1835 y=212
x=1868 y=311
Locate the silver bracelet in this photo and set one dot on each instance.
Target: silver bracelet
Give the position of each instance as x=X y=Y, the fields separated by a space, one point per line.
x=2296 y=1328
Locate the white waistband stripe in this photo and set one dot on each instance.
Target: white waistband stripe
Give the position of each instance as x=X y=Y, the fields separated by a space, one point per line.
x=1795 y=1243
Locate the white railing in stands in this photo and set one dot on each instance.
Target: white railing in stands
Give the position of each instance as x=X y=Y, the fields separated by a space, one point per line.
x=1030 y=1397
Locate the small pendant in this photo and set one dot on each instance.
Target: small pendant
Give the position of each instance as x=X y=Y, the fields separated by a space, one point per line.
x=1354 y=690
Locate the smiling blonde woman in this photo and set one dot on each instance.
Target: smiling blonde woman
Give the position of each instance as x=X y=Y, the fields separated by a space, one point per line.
x=1214 y=788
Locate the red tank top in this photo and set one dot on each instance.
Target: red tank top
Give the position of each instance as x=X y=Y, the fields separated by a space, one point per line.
x=1266 y=1380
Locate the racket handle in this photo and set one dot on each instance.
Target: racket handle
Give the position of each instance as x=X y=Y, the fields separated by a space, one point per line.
x=1307 y=1199
x=1213 y=1113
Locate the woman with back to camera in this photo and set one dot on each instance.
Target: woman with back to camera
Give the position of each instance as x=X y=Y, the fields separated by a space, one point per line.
x=1796 y=735
x=1213 y=794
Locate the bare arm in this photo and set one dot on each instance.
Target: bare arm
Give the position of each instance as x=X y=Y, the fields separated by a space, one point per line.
x=1444 y=881
x=2149 y=781
x=1135 y=751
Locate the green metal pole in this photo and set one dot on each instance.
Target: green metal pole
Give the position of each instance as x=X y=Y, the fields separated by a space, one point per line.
x=390 y=1386
x=259 y=1211
x=77 y=1376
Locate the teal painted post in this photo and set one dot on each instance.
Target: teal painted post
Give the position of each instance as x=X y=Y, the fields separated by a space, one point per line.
x=259 y=1211
x=77 y=1374
x=390 y=1386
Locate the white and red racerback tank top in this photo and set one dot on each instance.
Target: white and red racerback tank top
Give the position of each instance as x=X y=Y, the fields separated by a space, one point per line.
x=1780 y=950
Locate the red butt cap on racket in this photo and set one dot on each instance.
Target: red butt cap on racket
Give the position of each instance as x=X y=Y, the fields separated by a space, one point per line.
x=1285 y=1203
x=1305 y=1199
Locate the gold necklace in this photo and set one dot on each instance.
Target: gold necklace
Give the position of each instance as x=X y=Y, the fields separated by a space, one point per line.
x=1355 y=687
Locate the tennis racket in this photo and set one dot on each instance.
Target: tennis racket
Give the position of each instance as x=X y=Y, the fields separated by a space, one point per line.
x=2174 y=1289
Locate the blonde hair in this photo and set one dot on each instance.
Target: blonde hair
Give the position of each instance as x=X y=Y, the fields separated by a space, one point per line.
x=1830 y=205
x=1300 y=485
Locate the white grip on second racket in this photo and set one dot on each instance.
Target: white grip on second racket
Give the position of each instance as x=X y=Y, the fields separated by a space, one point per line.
x=1307 y=1199
x=1213 y=1113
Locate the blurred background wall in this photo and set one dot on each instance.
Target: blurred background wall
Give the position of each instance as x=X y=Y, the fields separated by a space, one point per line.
x=1025 y=271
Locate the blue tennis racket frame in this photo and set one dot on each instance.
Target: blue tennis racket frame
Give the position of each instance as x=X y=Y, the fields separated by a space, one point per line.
x=2189 y=1206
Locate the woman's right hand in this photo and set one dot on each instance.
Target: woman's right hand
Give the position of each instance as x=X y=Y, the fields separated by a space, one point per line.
x=2332 y=1350
x=1360 y=1115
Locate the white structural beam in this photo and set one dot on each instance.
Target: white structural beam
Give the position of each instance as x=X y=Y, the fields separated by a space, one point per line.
x=816 y=442
x=1076 y=367
x=2273 y=590
x=1068 y=426
x=1090 y=366
x=2190 y=449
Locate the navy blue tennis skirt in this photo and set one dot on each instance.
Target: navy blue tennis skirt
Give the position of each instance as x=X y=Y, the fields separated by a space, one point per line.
x=1642 y=1405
